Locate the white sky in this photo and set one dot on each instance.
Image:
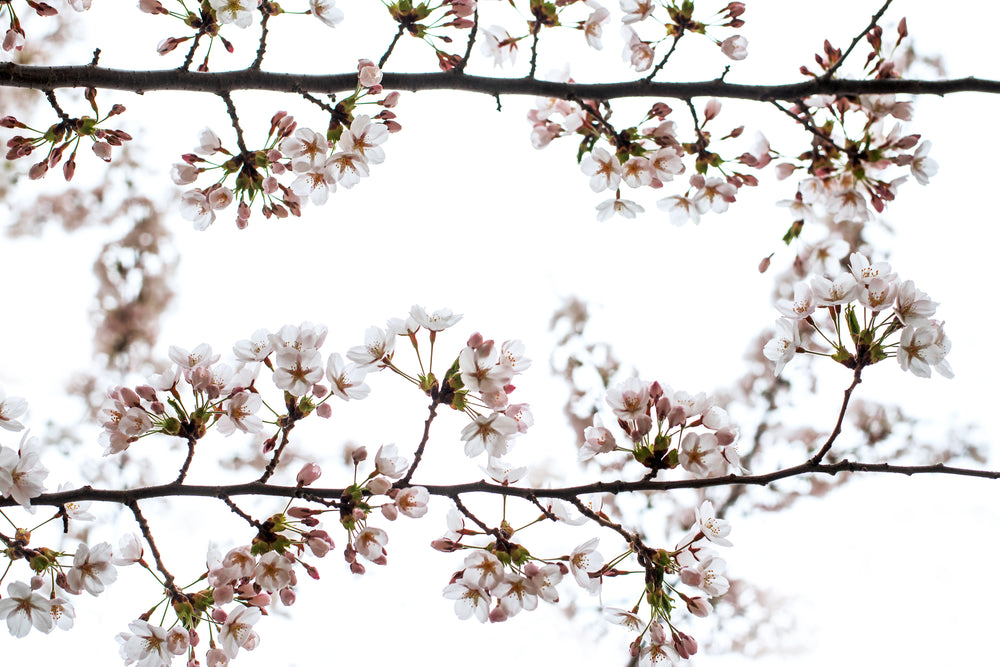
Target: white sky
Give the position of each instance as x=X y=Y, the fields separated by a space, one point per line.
x=885 y=570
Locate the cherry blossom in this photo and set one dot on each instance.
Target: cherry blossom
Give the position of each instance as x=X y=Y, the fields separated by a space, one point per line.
x=489 y=433
x=585 y=561
x=604 y=169
x=412 y=501
x=370 y=543
x=237 y=632
x=801 y=305
x=92 y=569
x=482 y=570
x=364 y=138
x=439 y=320
x=146 y=645
x=273 y=572
x=913 y=307
x=24 y=608
x=326 y=11
x=515 y=593
x=629 y=399
x=469 y=601
x=297 y=370
x=239 y=12
x=921 y=166
x=623 y=207
x=346 y=380
x=379 y=344
x=21 y=473
x=714 y=529
x=784 y=345
x=240 y=414
x=734 y=47
x=498 y=44
x=11 y=407
x=389 y=464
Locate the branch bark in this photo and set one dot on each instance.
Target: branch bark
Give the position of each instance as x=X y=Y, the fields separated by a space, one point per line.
x=50 y=78
x=130 y=496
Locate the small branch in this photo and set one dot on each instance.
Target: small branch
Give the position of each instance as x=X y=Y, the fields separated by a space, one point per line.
x=182 y=473
x=840 y=418
x=392 y=45
x=535 y=29
x=231 y=108
x=807 y=123
x=418 y=454
x=189 y=58
x=630 y=538
x=318 y=102
x=240 y=513
x=468 y=45
x=255 y=66
x=875 y=19
x=51 y=97
x=168 y=579
x=663 y=61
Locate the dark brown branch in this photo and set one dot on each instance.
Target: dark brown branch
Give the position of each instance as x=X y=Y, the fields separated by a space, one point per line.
x=840 y=418
x=418 y=454
x=168 y=579
x=127 y=496
x=460 y=68
x=255 y=66
x=48 y=78
x=235 y=119
x=392 y=45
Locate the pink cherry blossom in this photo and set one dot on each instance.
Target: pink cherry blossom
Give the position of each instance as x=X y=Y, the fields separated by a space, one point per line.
x=237 y=632
x=24 y=608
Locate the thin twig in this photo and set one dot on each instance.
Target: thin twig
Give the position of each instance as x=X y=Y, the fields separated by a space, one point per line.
x=535 y=29
x=231 y=109
x=51 y=97
x=472 y=40
x=840 y=418
x=663 y=61
x=392 y=45
x=418 y=454
x=875 y=19
x=255 y=66
x=168 y=579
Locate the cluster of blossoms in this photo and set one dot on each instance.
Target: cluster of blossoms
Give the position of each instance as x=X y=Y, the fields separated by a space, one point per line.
x=21 y=471
x=63 y=140
x=888 y=306
x=488 y=370
x=694 y=563
x=649 y=154
x=501 y=580
x=316 y=163
x=14 y=37
x=708 y=451
x=226 y=395
x=214 y=14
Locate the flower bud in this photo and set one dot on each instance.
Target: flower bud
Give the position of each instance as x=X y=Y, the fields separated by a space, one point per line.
x=379 y=486
x=390 y=512
x=309 y=473
x=287 y=596
x=359 y=455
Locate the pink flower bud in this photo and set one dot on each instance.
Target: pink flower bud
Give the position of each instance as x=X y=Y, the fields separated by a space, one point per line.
x=38 y=170
x=309 y=473
x=498 y=615
x=391 y=100
x=37 y=582
x=359 y=454
x=103 y=150
x=260 y=600
x=324 y=410
x=699 y=606
x=287 y=596
x=390 y=512
x=379 y=486
x=446 y=545
x=219 y=615
x=319 y=391
x=357 y=568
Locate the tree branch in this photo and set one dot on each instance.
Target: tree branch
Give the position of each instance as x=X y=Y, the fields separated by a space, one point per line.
x=129 y=496
x=49 y=78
